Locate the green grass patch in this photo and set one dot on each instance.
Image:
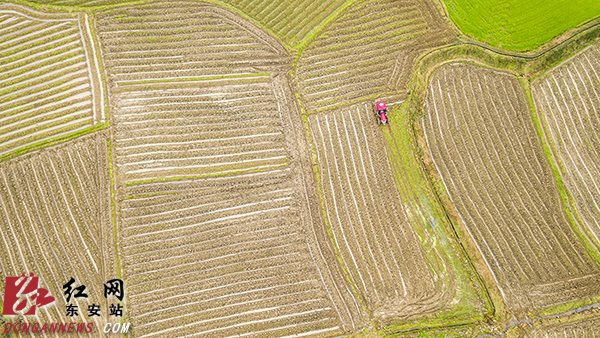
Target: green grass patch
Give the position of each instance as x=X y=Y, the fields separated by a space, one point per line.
x=563 y=308
x=444 y=256
x=520 y=25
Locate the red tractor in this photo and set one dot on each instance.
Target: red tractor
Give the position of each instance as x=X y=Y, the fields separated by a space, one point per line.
x=381 y=112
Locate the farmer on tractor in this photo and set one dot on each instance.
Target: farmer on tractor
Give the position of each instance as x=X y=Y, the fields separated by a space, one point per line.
x=381 y=112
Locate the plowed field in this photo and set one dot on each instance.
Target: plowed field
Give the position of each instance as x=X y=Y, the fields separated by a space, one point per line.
x=54 y=222
x=505 y=194
x=368 y=51
x=49 y=81
x=568 y=98
x=291 y=21
x=215 y=227
x=378 y=247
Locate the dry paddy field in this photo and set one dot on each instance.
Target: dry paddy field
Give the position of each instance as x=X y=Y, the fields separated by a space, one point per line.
x=505 y=194
x=55 y=222
x=568 y=100
x=371 y=232
x=49 y=80
x=290 y=20
x=586 y=328
x=387 y=35
x=217 y=233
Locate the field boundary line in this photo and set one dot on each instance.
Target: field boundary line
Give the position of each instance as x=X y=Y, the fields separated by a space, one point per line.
x=83 y=37
x=34 y=14
x=95 y=72
x=551 y=153
x=280 y=82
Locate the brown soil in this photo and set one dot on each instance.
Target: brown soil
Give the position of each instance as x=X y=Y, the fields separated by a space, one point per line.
x=218 y=229
x=567 y=100
x=55 y=223
x=369 y=227
x=517 y=222
x=387 y=37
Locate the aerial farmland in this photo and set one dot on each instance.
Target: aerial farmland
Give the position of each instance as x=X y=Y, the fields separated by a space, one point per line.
x=363 y=168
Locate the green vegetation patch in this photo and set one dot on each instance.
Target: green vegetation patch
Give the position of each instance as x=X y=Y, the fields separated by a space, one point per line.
x=520 y=25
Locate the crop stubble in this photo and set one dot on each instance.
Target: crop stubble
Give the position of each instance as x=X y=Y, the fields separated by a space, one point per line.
x=50 y=81
x=215 y=226
x=56 y=223
x=568 y=98
x=484 y=144
x=291 y=21
x=370 y=229
x=387 y=35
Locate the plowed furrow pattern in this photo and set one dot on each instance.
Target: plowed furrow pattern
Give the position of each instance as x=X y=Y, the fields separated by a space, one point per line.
x=54 y=222
x=231 y=260
x=291 y=21
x=47 y=78
x=213 y=220
x=386 y=34
x=194 y=131
x=568 y=98
x=486 y=149
x=378 y=247
x=181 y=40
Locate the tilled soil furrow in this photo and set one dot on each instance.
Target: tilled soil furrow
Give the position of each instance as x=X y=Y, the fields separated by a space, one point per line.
x=539 y=216
x=46 y=207
x=200 y=192
x=329 y=72
x=585 y=328
x=267 y=267
x=210 y=220
x=479 y=161
x=219 y=260
x=566 y=98
x=363 y=209
x=523 y=259
x=172 y=226
x=228 y=285
x=254 y=231
x=279 y=321
x=162 y=192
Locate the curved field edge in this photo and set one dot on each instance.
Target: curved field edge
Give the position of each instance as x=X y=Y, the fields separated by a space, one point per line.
x=293 y=46
x=468 y=298
x=425 y=209
x=470 y=305
x=526 y=69
x=521 y=26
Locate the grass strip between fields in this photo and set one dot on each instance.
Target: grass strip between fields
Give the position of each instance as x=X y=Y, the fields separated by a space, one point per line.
x=400 y=142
